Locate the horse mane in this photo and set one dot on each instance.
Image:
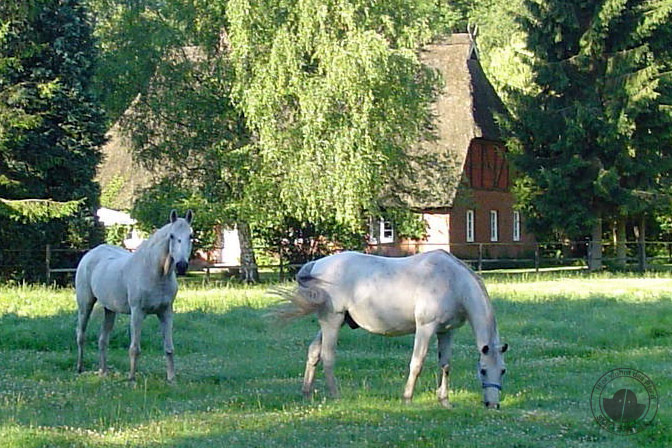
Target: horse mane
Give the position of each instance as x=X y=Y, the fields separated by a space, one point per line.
x=154 y=240
x=481 y=284
x=149 y=246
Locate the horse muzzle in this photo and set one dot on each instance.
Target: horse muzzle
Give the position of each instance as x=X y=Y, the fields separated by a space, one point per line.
x=181 y=267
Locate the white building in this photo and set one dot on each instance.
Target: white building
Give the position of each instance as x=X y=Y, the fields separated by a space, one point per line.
x=109 y=217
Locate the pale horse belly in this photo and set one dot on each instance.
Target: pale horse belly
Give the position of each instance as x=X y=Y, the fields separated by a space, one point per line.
x=108 y=287
x=383 y=312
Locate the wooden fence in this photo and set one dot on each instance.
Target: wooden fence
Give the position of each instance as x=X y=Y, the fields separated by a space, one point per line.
x=481 y=256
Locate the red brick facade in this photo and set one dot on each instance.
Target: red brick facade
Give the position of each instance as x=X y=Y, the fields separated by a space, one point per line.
x=487 y=190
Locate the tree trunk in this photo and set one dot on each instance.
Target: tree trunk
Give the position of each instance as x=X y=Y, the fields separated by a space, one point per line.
x=619 y=241
x=595 y=248
x=640 y=233
x=249 y=271
x=566 y=248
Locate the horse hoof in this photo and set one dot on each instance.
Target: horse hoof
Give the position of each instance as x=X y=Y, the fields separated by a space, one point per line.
x=446 y=404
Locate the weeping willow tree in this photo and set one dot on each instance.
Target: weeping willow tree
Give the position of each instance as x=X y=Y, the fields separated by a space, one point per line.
x=333 y=92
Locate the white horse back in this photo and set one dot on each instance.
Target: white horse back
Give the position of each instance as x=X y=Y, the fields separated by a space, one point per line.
x=393 y=295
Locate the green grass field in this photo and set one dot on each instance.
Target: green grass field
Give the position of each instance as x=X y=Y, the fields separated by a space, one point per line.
x=239 y=375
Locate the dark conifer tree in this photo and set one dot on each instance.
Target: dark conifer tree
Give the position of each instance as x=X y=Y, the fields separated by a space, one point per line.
x=593 y=140
x=52 y=125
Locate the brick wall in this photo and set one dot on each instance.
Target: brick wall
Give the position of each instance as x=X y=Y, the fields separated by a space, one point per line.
x=482 y=202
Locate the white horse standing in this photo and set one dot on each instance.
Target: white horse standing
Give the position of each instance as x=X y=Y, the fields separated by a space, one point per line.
x=425 y=294
x=138 y=284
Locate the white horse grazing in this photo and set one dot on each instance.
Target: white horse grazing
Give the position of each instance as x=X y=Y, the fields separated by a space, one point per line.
x=425 y=294
x=138 y=284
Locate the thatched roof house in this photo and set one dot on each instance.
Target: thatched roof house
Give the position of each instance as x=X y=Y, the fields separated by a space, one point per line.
x=459 y=180
x=464 y=111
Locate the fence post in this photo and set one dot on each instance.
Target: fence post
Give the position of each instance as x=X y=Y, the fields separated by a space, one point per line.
x=480 y=257
x=282 y=271
x=536 y=257
x=640 y=233
x=47 y=262
x=642 y=255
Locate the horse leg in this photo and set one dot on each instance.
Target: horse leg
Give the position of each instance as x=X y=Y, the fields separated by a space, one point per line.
x=423 y=334
x=104 y=339
x=445 y=345
x=85 y=302
x=330 y=325
x=166 y=319
x=134 y=350
x=313 y=359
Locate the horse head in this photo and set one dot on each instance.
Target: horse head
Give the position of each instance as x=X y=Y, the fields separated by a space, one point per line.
x=491 y=370
x=179 y=245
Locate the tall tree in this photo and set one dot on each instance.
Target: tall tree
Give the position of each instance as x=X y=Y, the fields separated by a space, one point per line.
x=333 y=92
x=586 y=141
x=51 y=124
x=132 y=37
x=186 y=127
x=501 y=45
x=184 y=117
x=175 y=106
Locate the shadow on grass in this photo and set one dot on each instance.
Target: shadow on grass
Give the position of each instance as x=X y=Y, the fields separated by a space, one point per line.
x=239 y=377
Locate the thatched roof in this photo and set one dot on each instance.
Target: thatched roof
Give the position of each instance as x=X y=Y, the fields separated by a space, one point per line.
x=119 y=169
x=120 y=172
x=463 y=111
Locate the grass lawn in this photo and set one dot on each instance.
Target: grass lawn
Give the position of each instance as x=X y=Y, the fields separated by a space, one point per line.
x=239 y=375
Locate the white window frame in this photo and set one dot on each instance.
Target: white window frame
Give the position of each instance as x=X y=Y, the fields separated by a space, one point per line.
x=494 y=225
x=386 y=232
x=470 y=226
x=516 y=225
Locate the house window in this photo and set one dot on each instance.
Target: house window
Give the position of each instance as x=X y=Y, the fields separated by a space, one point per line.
x=470 y=226
x=516 y=225
x=386 y=232
x=494 y=229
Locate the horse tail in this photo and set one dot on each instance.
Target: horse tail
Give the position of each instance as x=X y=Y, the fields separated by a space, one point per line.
x=308 y=298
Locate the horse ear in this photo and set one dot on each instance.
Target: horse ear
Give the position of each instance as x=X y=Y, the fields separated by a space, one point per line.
x=505 y=347
x=173 y=215
x=485 y=349
x=189 y=216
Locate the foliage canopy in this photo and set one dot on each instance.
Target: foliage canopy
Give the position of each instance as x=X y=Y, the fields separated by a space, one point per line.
x=50 y=124
x=593 y=139
x=333 y=92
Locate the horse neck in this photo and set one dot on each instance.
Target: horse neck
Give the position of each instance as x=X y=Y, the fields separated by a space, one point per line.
x=481 y=317
x=154 y=251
